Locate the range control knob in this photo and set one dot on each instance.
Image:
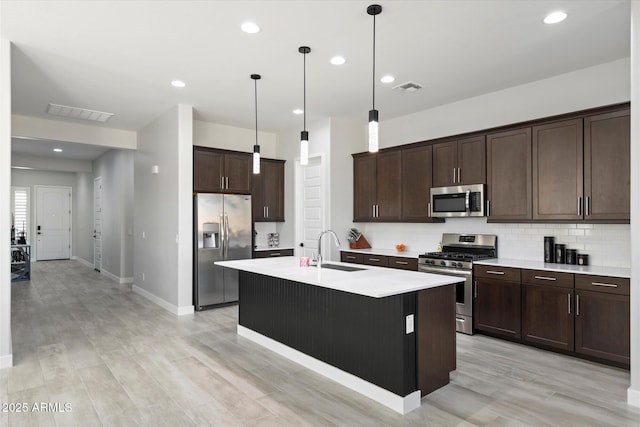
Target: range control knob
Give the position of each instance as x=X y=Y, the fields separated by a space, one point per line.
x=443 y=262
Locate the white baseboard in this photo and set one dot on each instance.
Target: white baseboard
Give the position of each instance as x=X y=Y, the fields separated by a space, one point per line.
x=178 y=311
x=6 y=361
x=391 y=400
x=633 y=397
x=125 y=280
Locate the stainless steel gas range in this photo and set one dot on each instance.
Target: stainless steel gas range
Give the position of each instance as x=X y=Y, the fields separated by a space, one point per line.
x=459 y=251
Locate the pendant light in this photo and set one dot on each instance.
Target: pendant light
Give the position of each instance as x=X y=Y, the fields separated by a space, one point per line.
x=373 y=10
x=256 y=147
x=304 y=135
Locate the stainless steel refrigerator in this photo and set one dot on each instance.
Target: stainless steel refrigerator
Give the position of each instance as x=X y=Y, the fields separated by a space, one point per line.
x=223 y=231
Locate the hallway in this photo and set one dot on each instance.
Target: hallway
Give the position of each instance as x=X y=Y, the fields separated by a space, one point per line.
x=116 y=359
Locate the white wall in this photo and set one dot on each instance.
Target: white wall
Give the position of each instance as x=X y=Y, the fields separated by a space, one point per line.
x=83 y=233
x=157 y=213
x=334 y=140
x=207 y=134
x=633 y=395
x=58 y=130
x=31 y=178
x=116 y=169
x=6 y=356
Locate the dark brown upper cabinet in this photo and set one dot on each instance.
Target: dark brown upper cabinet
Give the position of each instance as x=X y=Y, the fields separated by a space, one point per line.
x=607 y=176
x=558 y=171
x=220 y=171
x=268 y=192
x=377 y=186
x=459 y=162
x=416 y=183
x=509 y=176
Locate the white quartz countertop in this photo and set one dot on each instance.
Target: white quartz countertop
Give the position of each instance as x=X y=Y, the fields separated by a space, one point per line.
x=562 y=268
x=376 y=282
x=384 y=252
x=272 y=248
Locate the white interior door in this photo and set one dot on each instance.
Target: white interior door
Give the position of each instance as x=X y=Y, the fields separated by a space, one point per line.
x=53 y=223
x=310 y=206
x=97 y=223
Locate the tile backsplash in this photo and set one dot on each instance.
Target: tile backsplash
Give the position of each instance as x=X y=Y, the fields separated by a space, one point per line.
x=606 y=244
x=263 y=229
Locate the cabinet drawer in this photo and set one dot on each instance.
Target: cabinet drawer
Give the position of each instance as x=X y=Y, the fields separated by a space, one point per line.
x=351 y=257
x=549 y=278
x=273 y=253
x=501 y=273
x=403 y=263
x=610 y=285
x=379 y=260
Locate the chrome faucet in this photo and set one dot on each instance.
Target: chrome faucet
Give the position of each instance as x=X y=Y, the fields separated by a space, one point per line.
x=335 y=239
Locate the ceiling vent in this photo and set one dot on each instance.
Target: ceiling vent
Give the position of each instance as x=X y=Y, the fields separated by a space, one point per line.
x=408 y=87
x=78 y=113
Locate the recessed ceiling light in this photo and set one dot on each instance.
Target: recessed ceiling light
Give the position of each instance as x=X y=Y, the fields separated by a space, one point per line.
x=337 y=60
x=250 y=27
x=58 y=150
x=387 y=79
x=298 y=111
x=555 y=17
x=178 y=83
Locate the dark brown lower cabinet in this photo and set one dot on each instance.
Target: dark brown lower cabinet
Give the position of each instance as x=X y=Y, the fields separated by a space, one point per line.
x=602 y=325
x=497 y=307
x=547 y=315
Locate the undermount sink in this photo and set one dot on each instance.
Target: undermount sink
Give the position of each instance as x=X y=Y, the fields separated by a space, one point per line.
x=341 y=267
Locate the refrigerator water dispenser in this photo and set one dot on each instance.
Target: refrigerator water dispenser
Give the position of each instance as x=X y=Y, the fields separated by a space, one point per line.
x=211 y=234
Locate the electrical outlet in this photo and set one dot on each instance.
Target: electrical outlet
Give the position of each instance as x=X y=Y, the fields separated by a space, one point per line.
x=409 y=323
x=144 y=234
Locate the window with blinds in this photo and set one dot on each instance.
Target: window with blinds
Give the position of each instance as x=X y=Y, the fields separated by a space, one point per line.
x=20 y=210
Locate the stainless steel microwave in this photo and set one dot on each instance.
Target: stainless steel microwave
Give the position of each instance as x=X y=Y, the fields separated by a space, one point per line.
x=458 y=201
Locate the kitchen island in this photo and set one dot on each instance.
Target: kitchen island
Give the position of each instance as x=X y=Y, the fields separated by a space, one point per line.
x=388 y=334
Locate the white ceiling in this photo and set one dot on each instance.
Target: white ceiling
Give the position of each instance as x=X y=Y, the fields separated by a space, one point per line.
x=119 y=56
x=44 y=148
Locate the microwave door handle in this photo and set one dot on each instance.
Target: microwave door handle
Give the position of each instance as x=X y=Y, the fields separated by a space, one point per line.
x=466 y=202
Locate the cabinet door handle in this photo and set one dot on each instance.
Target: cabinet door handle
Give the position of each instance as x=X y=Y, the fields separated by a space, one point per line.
x=458 y=175
x=373 y=211
x=374 y=259
x=428 y=210
x=578 y=305
x=402 y=262
x=579 y=206
x=606 y=285
x=264 y=211
x=227 y=183
x=267 y=211
x=546 y=278
x=569 y=303
x=350 y=257
x=499 y=273
x=588 y=210
x=475 y=289
x=488 y=207
x=275 y=254
x=377 y=211
x=454 y=175
x=222 y=182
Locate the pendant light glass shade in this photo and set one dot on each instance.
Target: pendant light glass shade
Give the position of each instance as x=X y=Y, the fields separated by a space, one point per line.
x=256 y=159
x=373 y=10
x=304 y=148
x=256 y=147
x=304 y=135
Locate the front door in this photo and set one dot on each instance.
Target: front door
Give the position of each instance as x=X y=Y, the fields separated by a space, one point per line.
x=53 y=223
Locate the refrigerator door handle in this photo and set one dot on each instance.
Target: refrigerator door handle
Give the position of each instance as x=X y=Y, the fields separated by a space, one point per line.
x=226 y=233
x=223 y=234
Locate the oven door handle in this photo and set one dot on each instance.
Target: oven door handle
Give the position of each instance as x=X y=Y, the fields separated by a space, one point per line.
x=444 y=270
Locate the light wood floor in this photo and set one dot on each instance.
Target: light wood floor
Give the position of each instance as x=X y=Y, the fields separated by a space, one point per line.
x=118 y=359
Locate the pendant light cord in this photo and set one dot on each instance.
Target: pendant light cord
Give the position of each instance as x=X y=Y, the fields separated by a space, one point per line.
x=256 y=104
x=304 y=92
x=373 y=80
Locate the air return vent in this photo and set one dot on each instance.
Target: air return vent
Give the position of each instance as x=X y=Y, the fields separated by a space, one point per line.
x=407 y=87
x=78 y=113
